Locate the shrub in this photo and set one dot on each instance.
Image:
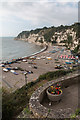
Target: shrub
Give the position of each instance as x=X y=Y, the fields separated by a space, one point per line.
x=42 y=77
x=77 y=112
x=52 y=75
x=27 y=110
x=73 y=116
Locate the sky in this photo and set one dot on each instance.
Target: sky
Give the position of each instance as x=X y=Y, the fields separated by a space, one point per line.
x=22 y=15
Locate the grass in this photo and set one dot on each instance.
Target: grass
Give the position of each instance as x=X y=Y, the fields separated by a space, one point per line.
x=14 y=103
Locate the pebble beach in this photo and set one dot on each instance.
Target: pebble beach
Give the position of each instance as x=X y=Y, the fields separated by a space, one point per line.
x=34 y=65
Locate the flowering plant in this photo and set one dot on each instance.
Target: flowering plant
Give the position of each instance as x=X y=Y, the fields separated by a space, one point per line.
x=56 y=89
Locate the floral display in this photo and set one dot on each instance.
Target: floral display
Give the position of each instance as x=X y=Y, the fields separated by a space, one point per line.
x=55 y=89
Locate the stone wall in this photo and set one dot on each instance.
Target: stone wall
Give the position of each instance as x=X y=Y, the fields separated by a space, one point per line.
x=39 y=110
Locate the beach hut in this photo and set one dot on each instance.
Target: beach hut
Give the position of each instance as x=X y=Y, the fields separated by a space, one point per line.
x=72 y=57
x=65 y=57
x=61 y=56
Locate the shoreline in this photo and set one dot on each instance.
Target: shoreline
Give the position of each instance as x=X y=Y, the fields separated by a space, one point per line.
x=24 y=57
x=42 y=50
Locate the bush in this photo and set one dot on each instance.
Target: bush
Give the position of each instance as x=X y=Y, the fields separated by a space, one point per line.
x=13 y=103
x=52 y=75
x=42 y=77
x=27 y=110
x=77 y=111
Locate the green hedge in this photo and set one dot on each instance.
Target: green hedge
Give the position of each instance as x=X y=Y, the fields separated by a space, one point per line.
x=52 y=75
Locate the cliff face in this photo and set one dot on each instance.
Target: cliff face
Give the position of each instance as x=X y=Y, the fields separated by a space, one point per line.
x=62 y=35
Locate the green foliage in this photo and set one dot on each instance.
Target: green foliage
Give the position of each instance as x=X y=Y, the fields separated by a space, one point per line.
x=54 y=41
x=49 y=110
x=26 y=33
x=73 y=116
x=42 y=77
x=77 y=112
x=13 y=103
x=76 y=49
x=56 y=38
x=49 y=32
x=30 y=84
x=27 y=110
x=41 y=41
x=19 y=68
x=76 y=28
x=35 y=31
x=69 y=39
x=64 y=41
x=51 y=75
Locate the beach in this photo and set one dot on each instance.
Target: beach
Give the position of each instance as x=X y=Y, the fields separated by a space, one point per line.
x=35 y=66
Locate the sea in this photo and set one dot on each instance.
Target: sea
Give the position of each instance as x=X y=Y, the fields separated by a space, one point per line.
x=13 y=49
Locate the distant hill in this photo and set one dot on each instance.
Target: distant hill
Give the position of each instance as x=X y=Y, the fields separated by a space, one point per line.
x=61 y=35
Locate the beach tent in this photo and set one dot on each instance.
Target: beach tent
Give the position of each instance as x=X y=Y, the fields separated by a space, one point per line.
x=65 y=56
x=61 y=56
x=72 y=57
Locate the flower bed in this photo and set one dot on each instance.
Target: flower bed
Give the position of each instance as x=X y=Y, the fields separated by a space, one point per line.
x=54 y=92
